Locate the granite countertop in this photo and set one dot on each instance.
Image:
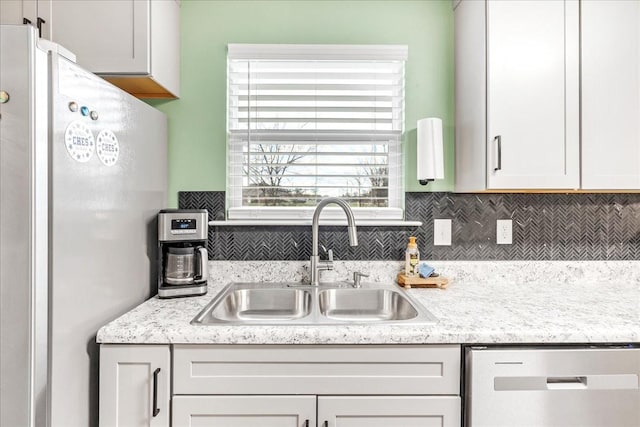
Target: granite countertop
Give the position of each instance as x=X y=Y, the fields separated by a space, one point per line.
x=487 y=302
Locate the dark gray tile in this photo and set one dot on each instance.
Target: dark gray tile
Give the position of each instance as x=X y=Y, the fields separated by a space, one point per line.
x=545 y=227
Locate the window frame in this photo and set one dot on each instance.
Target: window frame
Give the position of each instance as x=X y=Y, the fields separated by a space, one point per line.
x=395 y=197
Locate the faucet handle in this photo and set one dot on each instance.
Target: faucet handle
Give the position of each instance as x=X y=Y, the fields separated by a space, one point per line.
x=357 y=277
x=328 y=264
x=325 y=265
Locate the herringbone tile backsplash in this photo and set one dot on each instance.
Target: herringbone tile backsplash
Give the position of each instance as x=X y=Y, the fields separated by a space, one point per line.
x=545 y=227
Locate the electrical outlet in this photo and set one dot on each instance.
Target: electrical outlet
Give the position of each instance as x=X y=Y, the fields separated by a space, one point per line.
x=504 y=232
x=442 y=232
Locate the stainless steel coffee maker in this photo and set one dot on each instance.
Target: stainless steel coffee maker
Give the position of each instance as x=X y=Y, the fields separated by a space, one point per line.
x=182 y=252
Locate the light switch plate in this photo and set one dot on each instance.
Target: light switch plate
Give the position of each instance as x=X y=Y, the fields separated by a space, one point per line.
x=504 y=232
x=442 y=232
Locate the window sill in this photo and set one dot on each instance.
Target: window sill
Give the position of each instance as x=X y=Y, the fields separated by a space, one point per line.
x=307 y=223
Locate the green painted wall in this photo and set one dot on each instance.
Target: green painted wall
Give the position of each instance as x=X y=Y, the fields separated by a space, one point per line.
x=197 y=141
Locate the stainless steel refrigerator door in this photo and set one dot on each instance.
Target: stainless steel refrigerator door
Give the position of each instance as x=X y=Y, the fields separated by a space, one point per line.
x=103 y=225
x=23 y=228
x=553 y=387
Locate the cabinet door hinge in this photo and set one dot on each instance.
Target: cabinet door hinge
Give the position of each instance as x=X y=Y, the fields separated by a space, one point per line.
x=40 y=21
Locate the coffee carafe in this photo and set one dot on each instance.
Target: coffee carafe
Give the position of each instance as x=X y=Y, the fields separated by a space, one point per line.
x=182 y=253
x=184 y=265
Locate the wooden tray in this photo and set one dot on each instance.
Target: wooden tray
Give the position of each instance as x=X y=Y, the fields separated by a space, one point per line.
x=420 y=282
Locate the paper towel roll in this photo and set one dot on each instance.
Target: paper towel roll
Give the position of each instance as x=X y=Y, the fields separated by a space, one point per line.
x=430 y=153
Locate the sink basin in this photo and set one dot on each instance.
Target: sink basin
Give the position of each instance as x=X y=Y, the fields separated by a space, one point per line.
x=300 y=304
x=365 y=305
x=257 y=304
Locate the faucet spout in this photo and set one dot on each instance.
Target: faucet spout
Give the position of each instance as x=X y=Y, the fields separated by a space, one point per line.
x=353 y=235
x=316 y=264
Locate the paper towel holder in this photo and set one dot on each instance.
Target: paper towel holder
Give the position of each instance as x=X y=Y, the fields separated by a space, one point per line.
x=430 y=151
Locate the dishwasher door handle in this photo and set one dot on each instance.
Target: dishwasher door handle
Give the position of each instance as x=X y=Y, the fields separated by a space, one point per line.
x=578 y=382
x=566 y=383
x=595 y=382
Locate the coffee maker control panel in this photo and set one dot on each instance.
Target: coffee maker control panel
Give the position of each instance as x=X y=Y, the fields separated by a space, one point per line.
x=182 y=225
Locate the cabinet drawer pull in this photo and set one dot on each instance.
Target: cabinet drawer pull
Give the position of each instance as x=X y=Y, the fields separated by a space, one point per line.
x=306 y=423
x=26 y=21
x=498 y=140
x=156 y=410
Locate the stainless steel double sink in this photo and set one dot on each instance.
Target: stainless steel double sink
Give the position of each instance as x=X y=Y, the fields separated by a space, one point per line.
x=300 y=304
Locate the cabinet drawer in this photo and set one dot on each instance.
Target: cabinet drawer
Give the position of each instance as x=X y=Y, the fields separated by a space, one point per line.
x=322 y=369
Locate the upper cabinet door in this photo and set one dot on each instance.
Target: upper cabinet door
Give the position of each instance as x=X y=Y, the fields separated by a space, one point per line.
x=108 y=37
x=11 y=12
x=532 y=94
x=610 y=94
x=18 y=12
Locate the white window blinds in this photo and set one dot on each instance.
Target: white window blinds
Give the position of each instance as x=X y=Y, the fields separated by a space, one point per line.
x=307 y=122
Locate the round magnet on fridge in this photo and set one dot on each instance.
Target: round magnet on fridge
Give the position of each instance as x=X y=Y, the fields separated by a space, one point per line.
x=79 y=141
x=107 y=147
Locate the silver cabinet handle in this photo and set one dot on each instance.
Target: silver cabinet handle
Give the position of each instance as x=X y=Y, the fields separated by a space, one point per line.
x=498 y=139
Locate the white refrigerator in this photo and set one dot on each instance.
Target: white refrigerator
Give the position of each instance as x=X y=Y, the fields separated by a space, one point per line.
x=83 y=171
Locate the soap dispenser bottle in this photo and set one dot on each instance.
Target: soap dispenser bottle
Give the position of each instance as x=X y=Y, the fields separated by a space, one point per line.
x=412 y=258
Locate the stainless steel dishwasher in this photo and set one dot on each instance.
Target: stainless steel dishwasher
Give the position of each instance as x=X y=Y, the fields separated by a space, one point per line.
x=543 y=387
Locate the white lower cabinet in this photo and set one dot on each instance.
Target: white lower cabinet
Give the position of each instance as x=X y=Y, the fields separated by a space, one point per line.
x=134 y=385
x=389 y=411
x=300 y=411
x=244 y=411
x=348 y=385
x=280 y=385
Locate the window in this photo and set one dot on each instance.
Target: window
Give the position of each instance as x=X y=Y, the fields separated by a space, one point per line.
x=307 y=122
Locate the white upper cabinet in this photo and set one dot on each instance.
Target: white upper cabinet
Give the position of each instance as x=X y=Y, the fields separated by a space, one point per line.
x=134 y=44
x=18 y=12
x=108 y=37
x=517 y=95
x=11 y=12
x=610 y=94
x=532 y=94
